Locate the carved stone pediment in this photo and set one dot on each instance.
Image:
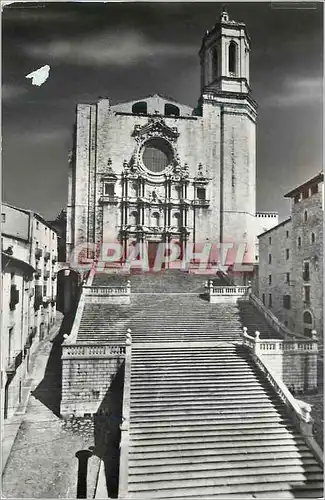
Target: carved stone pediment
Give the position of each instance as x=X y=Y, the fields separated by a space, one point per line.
x=156 y=126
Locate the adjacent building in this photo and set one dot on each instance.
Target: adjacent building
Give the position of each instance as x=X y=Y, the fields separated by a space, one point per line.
x=29 y=289
x=291 y=261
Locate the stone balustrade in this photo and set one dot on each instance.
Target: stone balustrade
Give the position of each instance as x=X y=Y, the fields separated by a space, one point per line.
x=230 y=294
x=124 y=427
x=279 y=345
x=108 y=294
x=92 y=351
x=272 y=320
x=287 y=358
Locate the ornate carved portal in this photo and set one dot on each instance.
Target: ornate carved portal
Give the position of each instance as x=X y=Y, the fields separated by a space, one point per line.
x=155 y=206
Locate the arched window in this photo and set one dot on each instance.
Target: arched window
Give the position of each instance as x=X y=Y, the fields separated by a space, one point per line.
x=155 y=217
x=308 y=318
x=139 y=108
x=313 y=237
x=215 y=63
x=171 y=109
x=133 y=221
x=232 y=57
x=305 y=215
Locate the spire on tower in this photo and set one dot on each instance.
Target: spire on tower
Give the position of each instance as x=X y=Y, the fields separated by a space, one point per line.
x=224 y=14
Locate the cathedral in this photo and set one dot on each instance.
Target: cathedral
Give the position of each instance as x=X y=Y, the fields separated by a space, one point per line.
x=155 y=171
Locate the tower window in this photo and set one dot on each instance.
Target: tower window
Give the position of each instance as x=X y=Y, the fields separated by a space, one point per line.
x=306 y=273
x=270 y=299
x=270 y=258
x=287 y=253
x=171 y=110
x=305 y=216
x=139 y=108
x=232 y=57
x=299 y=241
x=270 y=279
x=313 y=237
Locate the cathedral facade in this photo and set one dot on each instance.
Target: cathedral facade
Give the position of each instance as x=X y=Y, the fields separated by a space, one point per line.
x=156 y=171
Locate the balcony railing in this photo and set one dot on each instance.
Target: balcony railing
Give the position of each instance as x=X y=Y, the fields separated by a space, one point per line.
x=201 y=203
x=109 y=199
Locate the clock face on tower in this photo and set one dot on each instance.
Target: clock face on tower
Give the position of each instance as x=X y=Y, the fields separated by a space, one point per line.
x=157 y=154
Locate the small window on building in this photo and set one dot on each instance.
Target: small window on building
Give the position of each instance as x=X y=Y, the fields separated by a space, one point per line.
x=299 y=241
x=201 y=194
x=108 y=189
x=263 y=298
x=286 y=323
x=270 y=258
x=306 y=272
x=288 y=278
x=171 y=110
x=52 y=236
x=307 y=294
x=297 y=198
x=3 y=218
x=313 y=238
x=287 y=234
x=287 y=253
x=305 y=215
x=270 y=240
x=270 y=279
x=139 y=108
x=45 y=229
x=287 y=301
x=314 y=189
x=37 y=224
x=305 y=194
x=270 y=299
x=307 y=318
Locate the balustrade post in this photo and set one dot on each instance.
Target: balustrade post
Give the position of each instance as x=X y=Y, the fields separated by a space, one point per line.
x=128 y=287
x=257 y=342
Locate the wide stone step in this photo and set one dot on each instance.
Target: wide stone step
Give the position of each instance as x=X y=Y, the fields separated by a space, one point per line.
x=272 y=432
x=174 y=420
x=254 y=490
x=195 y=481
x=208 y=425
x=178 y=383
x=209 y=412
x=227 y=451
x=148 y=440
x=197 y=404
x=219 y=470
x=218 y=461
x=211 y=391
x=184 y=399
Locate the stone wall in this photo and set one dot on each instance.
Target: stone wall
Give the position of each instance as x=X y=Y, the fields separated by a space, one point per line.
x=86 y=382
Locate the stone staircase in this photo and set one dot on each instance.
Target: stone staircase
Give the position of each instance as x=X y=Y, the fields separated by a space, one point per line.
x=170 y=317
x=205 y=424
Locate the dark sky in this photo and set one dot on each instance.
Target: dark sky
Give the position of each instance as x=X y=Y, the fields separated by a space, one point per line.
x=126 y=51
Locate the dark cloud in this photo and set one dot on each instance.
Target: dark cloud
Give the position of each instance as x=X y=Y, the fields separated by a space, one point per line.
x=128 y=50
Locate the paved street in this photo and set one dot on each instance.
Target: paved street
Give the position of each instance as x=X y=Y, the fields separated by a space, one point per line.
x=42 y=463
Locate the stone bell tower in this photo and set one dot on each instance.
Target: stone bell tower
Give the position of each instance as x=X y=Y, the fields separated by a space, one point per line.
x=226 y=102
x=225 y=57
